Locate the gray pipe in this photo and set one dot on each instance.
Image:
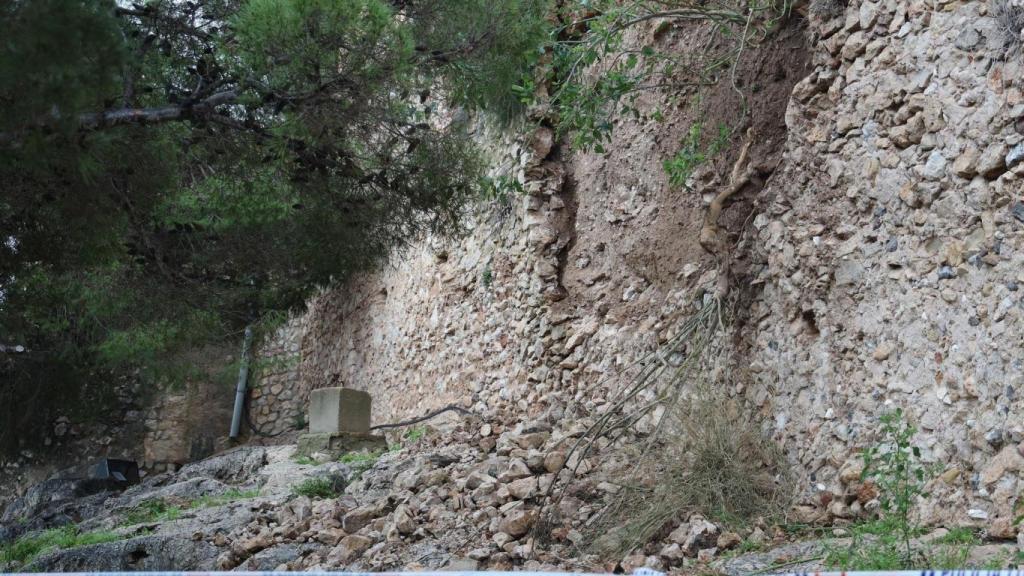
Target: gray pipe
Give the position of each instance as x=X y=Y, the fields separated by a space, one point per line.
x=243 y=376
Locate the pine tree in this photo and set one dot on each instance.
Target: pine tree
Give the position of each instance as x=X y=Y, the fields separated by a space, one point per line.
x=173 y=170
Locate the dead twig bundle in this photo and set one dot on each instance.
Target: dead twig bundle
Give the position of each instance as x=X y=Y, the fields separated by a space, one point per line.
x=701 y=455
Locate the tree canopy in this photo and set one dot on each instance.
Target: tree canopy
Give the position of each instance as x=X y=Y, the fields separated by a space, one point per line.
x=173 y=170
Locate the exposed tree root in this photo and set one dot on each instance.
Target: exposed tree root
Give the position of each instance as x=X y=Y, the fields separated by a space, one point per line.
x=711 y=237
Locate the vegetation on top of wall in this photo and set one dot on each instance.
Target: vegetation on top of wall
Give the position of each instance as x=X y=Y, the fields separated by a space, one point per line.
x=596 y=77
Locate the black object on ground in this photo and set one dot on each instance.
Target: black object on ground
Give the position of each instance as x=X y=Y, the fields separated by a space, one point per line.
x=120 y=471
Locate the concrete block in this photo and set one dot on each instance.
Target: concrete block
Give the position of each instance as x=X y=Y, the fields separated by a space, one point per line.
x=335 y=445
x=338 y=410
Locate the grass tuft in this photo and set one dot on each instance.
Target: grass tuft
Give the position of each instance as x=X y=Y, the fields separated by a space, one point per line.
x=1009 y=14
x=152 y=511
x=960 y=535
x=159 y=510
x=315 y=488
x=30 y=546
x=360 y=462
x=227 y=497
x=705 y=455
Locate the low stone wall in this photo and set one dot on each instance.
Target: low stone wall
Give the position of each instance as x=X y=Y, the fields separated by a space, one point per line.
x=278 y=396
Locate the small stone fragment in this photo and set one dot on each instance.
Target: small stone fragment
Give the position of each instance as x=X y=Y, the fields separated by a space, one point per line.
x=882 y=351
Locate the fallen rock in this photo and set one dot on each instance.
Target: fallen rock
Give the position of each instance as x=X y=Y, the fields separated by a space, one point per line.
x=517 y=523
x=523 y=488
x=360 y=517
x=350 y=548
x=728 y=541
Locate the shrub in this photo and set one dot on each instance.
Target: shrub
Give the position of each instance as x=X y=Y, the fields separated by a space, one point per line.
x=315 y=488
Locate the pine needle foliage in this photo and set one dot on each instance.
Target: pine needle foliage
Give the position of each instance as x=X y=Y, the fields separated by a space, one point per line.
x=176 y=170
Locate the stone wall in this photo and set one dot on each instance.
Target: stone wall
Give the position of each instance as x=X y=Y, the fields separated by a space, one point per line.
x=879 y=267
x=186 y=422
x=893 y=251
x=277 y=396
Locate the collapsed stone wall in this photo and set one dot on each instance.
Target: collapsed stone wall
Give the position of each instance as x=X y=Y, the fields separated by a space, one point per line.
x=880 y=265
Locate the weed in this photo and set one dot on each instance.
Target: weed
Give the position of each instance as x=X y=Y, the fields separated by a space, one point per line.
x=360 y=462
x=886 y=544
x=487 y=277
x=315 y=488
x=895 y=467
x=692 y=154
x=219 y=500
x=877 y=553
x=152 y=511
x=160 y=511
x=414 y=434
x=748 y=545
x=960 y=535
x=304 y=461
x=27 y=547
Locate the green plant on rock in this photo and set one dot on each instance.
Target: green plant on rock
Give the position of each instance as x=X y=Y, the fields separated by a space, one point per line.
x=28 y=547
x=360 y=462
x=414 y=433
x=894 y=466
x=693 y=153
x=959 y=535
x=231 y=495
x=156 y=510
x=315 y=488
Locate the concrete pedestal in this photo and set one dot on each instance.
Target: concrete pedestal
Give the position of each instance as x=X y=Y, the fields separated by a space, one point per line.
x=339 y=410
x=334 y=445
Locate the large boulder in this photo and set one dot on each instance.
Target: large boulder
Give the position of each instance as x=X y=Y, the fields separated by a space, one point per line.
x=150 y=553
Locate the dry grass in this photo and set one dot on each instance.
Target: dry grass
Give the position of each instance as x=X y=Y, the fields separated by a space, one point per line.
x=704 y=454
x=825 y=10
x=1010 y=16
x=711 y=459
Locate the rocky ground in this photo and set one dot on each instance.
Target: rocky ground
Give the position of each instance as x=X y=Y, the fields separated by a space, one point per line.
x=463 y=493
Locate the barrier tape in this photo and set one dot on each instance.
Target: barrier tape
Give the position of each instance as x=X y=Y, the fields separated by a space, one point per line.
x=639 y=572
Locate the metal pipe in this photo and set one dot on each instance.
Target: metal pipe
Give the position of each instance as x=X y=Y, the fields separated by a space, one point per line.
x=243 y=376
